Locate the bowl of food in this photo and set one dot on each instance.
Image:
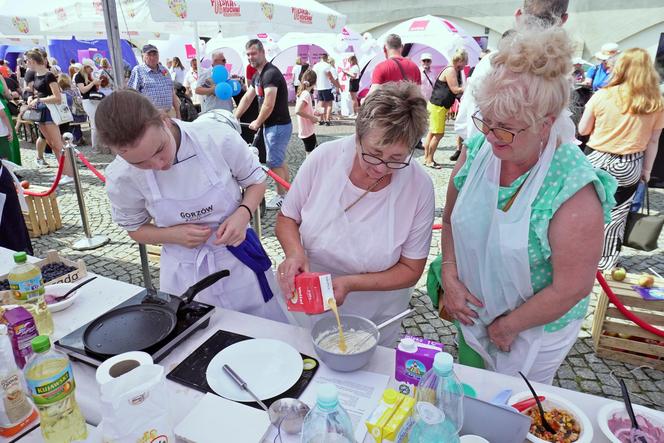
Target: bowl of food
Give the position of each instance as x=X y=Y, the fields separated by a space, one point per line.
x=54 y=293
x=361 y=336
x=571 y=424
x=616 y=425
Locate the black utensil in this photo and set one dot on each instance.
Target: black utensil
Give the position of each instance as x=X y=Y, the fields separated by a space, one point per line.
x=59 y=298
x=630 y=409
x=545 y=423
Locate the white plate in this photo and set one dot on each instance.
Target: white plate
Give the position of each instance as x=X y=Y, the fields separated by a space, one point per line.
x=554 y=401
x=607 y=411
x=269 y=367
x=61 y=289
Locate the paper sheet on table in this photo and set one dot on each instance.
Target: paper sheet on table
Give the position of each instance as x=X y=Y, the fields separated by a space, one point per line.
x=359 y=393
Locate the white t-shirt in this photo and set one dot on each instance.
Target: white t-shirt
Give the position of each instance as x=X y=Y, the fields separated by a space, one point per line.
x=463 y=125
x=127 y=186
x=322 y=81
x=4 y=131
x=415 y=201
x=354 y=70
x=297 y=69
x=178 y=74
x=191 y=81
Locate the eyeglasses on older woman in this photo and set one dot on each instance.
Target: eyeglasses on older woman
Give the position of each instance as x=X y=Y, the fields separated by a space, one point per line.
x=375 y=161
x=502 y=134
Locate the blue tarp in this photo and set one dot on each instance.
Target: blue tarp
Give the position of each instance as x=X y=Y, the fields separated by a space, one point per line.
x=65 y=50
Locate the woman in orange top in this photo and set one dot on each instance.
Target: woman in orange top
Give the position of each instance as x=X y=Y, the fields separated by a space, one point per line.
x=624 y=121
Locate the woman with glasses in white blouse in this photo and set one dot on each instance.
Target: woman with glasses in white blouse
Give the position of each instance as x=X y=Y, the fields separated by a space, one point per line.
x=362 y=210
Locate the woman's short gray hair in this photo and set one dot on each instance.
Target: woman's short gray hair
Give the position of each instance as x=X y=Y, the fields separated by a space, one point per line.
x=398 y=110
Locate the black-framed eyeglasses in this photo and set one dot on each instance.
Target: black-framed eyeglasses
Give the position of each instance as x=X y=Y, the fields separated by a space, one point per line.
x=375 y=161
x=502 y=134
x=426 y=60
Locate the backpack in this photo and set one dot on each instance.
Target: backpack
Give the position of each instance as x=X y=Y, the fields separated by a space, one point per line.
x=188 y=112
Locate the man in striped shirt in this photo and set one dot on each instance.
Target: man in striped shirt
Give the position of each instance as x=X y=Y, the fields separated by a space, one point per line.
x=153 y=80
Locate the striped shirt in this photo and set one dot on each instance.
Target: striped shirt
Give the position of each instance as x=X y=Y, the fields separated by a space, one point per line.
x=155 y=84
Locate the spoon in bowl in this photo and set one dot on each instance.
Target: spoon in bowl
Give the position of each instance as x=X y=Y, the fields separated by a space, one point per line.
x=630 y=409
x=59 y=298
x=545 y=423
x=342 y=341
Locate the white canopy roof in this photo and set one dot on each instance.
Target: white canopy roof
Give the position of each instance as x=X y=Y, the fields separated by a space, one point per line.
x=236 y=17
x=437 y=33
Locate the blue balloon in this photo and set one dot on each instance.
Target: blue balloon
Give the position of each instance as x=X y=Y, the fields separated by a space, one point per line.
x=219 y=74
x=223 y=91
x=236 y=86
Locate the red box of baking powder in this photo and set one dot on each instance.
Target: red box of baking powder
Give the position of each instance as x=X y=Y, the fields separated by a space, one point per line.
x=312 y=291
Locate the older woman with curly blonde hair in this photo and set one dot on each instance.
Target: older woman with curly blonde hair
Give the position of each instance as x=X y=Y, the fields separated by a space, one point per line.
x=524 y=215
x=624 y=121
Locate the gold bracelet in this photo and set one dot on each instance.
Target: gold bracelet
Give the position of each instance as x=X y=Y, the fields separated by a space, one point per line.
x=448 y=262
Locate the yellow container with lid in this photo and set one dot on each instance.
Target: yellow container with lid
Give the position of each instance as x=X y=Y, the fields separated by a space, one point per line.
x=397 y=428
x=382 y=414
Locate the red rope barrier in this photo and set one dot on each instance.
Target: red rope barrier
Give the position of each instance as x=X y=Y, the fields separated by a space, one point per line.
x=94 y=170
x=61 y=164
x=277 y=179
x=623 y=310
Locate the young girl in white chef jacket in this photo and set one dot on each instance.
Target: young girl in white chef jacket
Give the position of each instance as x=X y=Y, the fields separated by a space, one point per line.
x=179 y=184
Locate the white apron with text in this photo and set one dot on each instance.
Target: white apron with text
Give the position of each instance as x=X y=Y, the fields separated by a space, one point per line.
x=181 y=266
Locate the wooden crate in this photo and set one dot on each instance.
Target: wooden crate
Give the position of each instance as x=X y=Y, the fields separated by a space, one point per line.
x=617 y=338
x=154 y=253
x=53 y=257
x=43 y=216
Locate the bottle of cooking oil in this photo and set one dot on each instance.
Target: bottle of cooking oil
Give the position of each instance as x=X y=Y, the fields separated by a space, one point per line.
x=27 y=285
x=50 y=381
x=16 y=410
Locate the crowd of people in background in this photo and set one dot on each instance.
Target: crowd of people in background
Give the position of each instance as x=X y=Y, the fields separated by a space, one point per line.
x=37 y=81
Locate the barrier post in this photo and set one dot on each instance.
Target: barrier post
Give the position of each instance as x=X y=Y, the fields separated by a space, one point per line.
x=256 y=222
x=90 y=241
x=145 y=266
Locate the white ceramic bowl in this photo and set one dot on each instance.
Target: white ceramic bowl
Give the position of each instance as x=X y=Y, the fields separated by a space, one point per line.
x=554 y=401
x=61 y=289
x=607 y=411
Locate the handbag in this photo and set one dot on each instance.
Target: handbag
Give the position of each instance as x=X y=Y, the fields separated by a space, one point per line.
x=14 y=109
x=643 y=229
x=60 y=112
x=35 y=114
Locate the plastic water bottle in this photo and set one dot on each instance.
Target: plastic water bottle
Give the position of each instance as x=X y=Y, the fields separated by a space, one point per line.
x=51 y=383
x=441 y=387
x=27 y=285
x=327 y=422
x=431 y=426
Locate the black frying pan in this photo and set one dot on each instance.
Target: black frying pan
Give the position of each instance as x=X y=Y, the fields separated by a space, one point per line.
x=138 y=327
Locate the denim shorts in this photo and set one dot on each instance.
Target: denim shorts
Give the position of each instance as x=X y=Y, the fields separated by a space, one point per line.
x=276 y=143
x=325 y=95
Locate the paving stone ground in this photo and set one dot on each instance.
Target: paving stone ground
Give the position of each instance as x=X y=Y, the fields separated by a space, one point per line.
x=581 y=371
